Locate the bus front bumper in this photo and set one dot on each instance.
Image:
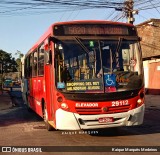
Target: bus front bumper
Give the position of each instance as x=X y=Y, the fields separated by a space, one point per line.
x=73 y=121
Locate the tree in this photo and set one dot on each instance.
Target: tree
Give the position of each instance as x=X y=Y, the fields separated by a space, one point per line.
x=8 y=63
x=18 y=60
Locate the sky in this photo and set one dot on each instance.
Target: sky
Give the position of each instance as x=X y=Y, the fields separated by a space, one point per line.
x=20 y=32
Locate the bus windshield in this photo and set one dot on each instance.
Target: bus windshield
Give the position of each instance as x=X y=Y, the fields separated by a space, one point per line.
x=98 y=66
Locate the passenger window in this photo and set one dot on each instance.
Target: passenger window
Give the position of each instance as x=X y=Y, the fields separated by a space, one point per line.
x=34 y=67
x=30 y=65
x=41 y=61
x=27 y=67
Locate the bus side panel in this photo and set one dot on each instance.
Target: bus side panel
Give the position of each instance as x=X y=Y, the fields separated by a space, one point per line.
x=49 y=88
x=41 y=93
x=38 y=94
x=32 y=88
x=30 y=93
x=33 y=98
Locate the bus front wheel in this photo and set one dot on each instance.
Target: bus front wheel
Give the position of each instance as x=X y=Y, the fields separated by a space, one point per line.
x=48 y=126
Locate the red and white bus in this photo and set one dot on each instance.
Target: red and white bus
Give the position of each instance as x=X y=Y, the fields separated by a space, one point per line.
x=86 y=75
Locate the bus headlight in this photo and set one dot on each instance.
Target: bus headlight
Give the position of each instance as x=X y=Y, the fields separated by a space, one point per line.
x=64 y=106
x=141 y=95
x=139 y=101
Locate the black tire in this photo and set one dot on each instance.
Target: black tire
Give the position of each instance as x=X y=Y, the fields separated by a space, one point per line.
x=29 y=110
x=45 y=117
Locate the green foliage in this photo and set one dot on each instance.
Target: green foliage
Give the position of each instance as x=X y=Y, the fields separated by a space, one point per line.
x=18 y=60
x=8 y=62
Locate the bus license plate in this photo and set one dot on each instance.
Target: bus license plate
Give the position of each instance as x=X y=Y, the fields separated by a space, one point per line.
x=105 y=119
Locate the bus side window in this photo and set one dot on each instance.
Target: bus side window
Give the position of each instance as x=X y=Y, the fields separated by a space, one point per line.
x=34 y=67
x=30 y=64
x=26 y=65
x=41 y=61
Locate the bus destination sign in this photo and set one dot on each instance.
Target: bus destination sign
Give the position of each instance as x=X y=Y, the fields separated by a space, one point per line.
x=83 y=86
x=83 y=29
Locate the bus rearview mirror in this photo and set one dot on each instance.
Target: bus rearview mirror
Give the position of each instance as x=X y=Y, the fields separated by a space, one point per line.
x=48 y=57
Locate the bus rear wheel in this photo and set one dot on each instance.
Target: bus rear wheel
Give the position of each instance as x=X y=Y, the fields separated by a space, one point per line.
x=45 y=116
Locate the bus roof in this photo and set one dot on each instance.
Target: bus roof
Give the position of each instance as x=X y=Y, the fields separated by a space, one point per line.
x=92 y=22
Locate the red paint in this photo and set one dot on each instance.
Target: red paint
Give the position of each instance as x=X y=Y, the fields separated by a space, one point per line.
x=154 y=78
x=42 y=88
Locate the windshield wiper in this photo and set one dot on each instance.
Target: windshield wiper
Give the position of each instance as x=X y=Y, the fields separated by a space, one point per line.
x=81 y=44
x=78 y=40
x=117 y=51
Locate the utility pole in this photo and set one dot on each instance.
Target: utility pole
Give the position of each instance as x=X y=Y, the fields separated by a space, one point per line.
x=129 y=11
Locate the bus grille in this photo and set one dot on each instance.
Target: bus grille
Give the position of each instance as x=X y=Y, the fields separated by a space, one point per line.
x=94 y=111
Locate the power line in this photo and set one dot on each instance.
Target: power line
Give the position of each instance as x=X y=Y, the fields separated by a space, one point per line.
x=53 y=4
x=38 y=7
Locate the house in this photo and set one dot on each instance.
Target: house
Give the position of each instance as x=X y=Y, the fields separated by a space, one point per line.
x=149 y=31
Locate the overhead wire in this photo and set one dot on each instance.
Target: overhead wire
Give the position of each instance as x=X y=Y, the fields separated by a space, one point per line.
x=52 y=4
x=38 y=7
